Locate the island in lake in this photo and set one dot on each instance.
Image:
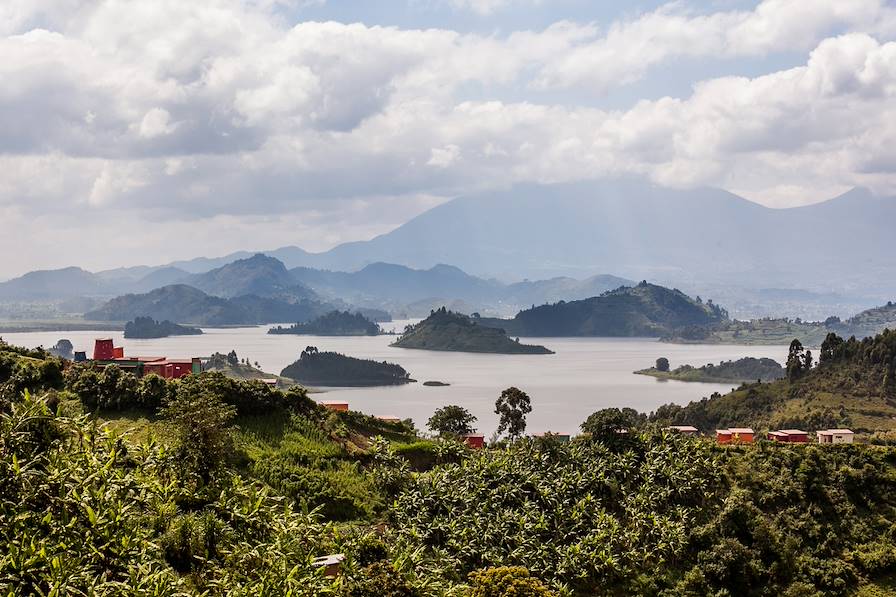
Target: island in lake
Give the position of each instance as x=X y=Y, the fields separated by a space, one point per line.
x=147 y=327
x=334 y=323
x=317 y=368
x=449 y=331
x=746 y=369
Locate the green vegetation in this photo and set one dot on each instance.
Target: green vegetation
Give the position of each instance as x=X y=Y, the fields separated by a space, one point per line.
x=512 y=406
x=451 y=421
x=222 y=487
x=334 y=323
x=853 y=385
x=449 y=331
x=147 y=327
x=745 y=369
x=317 y=368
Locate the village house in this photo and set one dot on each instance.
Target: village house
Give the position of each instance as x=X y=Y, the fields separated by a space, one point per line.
x=684 y=429
x=789 y=436
x=337 y=406
x=835 y=436
x=735 y=435
x=474 y=441
x=563 y=438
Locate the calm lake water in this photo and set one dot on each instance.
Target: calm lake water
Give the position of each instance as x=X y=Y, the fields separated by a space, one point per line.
x=585 y=374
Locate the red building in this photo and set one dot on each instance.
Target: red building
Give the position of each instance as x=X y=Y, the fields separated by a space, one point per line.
x=337 y=406
x=789 y=436
x=476 y=442
x=106 y=353
x=735 y=435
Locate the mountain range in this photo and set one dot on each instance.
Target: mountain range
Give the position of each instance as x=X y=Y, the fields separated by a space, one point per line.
x=839 y=253
x=637 y=230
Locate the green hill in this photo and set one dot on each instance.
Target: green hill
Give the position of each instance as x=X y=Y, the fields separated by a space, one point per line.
x=315 y=368
x=746 y=369
x=334 y=323
x=629 y=311
x=184 y=304
x=449 y=331
x=854 y=386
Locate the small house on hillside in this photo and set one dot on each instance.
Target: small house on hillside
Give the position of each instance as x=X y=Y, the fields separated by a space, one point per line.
x=390 y=419
x=835 y=436
x=684 y=429
x=474 y=441
x=735 y=435
x=789 y=436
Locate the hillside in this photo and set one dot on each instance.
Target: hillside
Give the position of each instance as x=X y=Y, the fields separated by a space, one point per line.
x=854 y=386
x=184 y=304
x=334 y=323
x=315 y=368
x=258 y=275
x=869 y=322
x=746 y=369
x=449 y=331
x=229 y=479
x=643 y=310
x=147 y=327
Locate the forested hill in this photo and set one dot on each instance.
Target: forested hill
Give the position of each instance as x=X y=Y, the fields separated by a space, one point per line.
x=184 y=304
x=642 y=310
x=449 y=331
x=853 y=385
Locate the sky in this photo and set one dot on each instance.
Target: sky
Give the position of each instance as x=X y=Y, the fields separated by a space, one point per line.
x=145 y=131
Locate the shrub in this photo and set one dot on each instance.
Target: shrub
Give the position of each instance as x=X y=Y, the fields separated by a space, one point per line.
x=506 y=582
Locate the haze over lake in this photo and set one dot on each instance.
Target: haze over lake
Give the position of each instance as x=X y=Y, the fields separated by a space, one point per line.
x=585 y=374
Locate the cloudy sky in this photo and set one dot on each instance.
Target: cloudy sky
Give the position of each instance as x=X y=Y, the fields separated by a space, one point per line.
x=141 y=131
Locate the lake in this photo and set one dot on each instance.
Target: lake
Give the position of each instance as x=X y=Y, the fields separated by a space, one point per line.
x=585 y=374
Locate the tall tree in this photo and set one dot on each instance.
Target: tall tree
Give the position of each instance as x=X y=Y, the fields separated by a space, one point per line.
x=795 y=360
x=452 y=420
x=662 y=364
x=512 y=406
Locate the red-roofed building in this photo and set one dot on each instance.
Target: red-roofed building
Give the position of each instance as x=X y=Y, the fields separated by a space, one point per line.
x=789 y=436
x=474 y=441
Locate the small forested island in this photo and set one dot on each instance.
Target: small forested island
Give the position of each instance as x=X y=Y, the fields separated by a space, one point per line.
x=450 y=331
x=317 y=368
x=334 y=323
x=147 y=327
x=745 y=369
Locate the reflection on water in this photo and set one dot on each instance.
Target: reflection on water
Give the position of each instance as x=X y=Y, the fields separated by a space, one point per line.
x=584 y=375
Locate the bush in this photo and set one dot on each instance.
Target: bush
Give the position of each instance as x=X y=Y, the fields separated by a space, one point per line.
x=506 y=582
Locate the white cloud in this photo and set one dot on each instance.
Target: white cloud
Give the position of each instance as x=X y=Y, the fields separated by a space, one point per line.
x=220 y=110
